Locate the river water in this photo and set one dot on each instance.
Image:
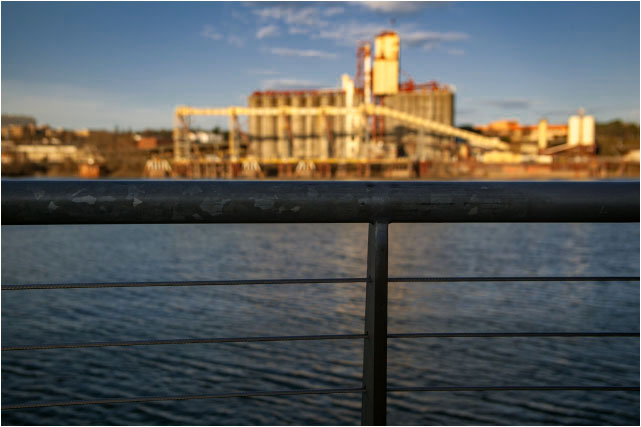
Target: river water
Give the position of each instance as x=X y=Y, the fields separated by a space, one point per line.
x=200 y=252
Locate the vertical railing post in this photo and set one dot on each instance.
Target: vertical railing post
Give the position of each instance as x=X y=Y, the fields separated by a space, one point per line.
x=374 y=407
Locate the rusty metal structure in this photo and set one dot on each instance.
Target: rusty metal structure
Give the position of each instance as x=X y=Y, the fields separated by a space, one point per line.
x=372 y=119
x=289 y=134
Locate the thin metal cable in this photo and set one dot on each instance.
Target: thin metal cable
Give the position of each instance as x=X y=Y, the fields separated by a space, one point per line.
x=182 y=341
x=44 y=286
x=182 y=397
x=178 y=284
x=516 y=279
x=315 y=338
x=511 y=334
x=513 y=388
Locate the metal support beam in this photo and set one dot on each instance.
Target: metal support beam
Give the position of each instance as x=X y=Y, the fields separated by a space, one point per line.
x=232 y=131
x=182 y=144
x=377 y=111
x=374 y=406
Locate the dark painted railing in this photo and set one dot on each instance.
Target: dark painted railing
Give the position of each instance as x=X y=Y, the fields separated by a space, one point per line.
x=376 y=203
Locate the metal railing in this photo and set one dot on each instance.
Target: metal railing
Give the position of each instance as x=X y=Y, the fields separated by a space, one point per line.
x=376 y=203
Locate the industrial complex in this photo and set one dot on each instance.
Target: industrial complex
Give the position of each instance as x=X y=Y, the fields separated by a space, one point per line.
x=373 y=124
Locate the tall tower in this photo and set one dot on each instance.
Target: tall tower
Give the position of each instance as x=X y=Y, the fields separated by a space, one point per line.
x=543 y=134
x=386 y=63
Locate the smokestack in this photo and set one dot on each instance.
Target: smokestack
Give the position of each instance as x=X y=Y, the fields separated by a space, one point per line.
x=367 y=68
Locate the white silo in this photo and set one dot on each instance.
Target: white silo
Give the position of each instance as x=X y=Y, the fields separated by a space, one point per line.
x=581 y=129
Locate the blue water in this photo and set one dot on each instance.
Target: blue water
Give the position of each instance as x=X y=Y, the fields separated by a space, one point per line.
x=200 y=252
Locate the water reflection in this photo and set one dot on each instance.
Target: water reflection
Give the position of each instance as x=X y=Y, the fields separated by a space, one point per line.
x=100 y=253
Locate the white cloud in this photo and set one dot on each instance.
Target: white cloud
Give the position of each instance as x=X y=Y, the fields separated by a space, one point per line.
x=291 y=14
x=430 y=39
x=299 y=30
x=456 y=52
x=397 y=7
x=263 y=72
x=236 y=41
x=299 y=17
x=209 y=33
x=336 y=10
x=510 y=104
x=429 y=46
x=241 y=16
x=289 y=84
x=312 y=21
x=267 y=31
x=349 y=33
x=306 y=53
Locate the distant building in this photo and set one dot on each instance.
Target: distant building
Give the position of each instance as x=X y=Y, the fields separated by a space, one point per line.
x=322 y=137
x=46 y=153
x=82 y=133
x=8 y=152
x=577 y=136
x=11 y=120
x=538 y=136
x=18 y=131
x=152 y=142
x=157 y=167
x=147 y=143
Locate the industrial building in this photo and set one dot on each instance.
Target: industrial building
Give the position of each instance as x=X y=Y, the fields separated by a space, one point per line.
x=349 y=136
x=373 y=121
x=577 y=136
x=374 y=125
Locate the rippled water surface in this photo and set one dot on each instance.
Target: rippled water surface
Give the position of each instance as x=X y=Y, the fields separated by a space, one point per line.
x=201 y=252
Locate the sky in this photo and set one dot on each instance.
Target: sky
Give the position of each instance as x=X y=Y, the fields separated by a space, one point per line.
x=128 y=65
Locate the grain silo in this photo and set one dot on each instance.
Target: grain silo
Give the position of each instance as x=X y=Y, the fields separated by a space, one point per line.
x=322 y=137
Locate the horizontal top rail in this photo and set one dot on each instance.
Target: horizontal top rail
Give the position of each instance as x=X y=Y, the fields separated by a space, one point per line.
x=32 y=202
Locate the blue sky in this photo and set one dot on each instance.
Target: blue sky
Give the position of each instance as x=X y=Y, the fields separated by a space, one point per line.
x=102 y=65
